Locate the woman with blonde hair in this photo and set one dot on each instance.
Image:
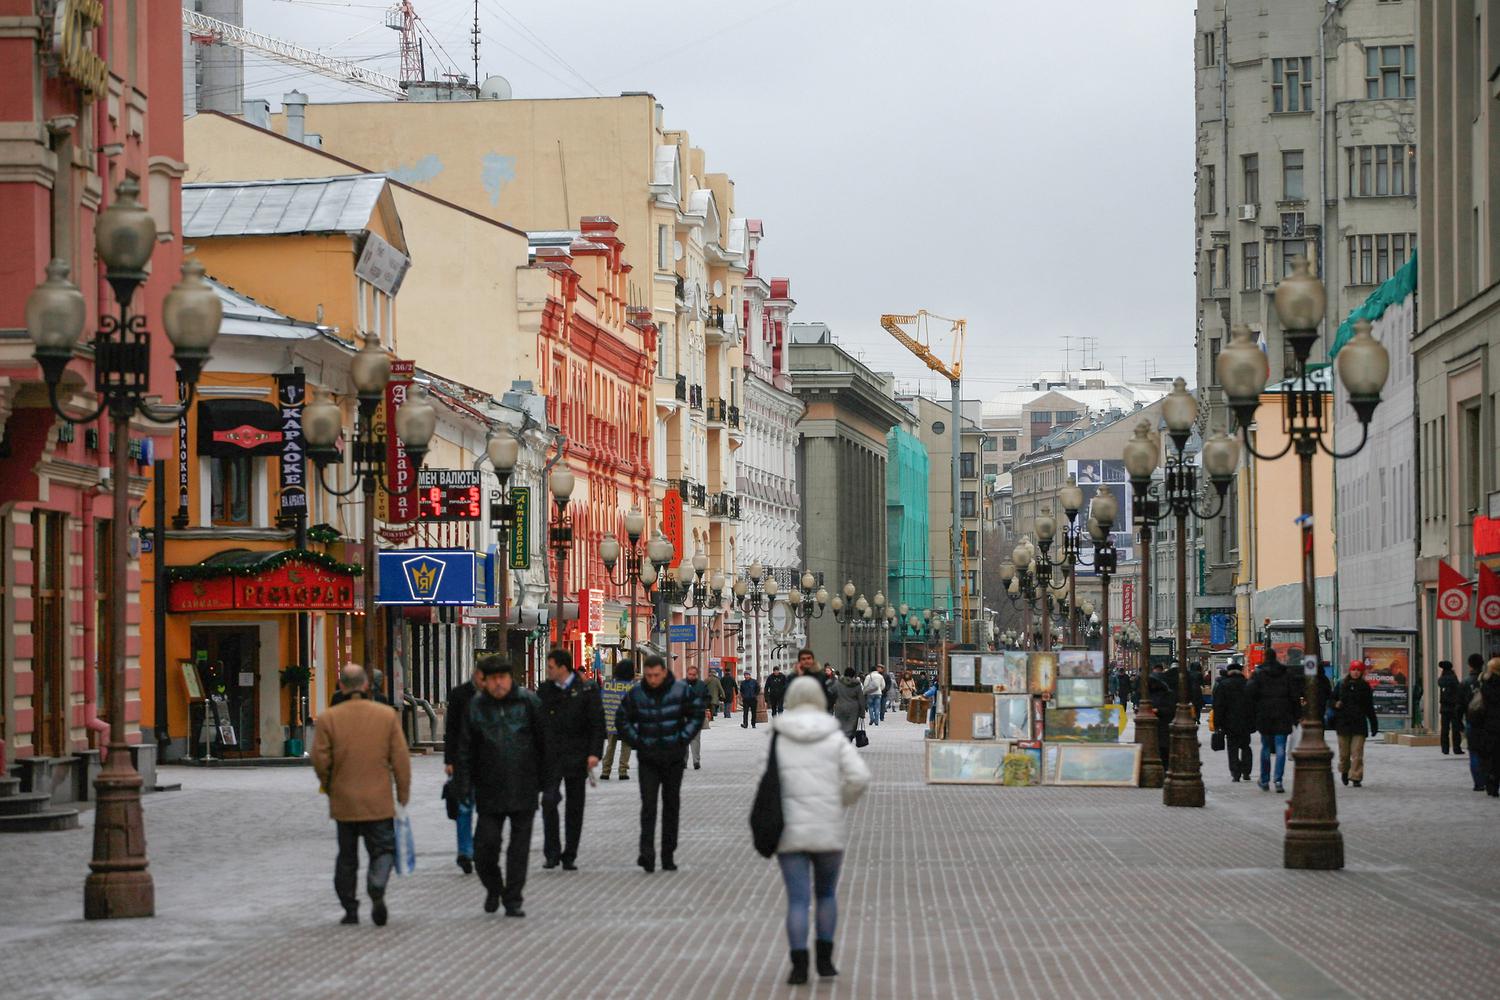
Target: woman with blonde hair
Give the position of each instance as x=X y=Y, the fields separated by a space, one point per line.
x=821 y=775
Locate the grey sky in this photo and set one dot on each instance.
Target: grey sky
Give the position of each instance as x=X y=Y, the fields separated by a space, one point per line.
x=1028 y=166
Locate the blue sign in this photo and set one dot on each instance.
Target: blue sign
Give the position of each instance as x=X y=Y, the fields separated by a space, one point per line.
x=436 y=576
x=683 y=633
x=1218 y=627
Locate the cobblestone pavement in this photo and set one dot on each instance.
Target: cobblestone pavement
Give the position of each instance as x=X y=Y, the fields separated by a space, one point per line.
x=947 y=892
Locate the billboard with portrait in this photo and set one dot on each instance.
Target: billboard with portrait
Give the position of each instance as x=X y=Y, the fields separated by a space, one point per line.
x=1094 y=475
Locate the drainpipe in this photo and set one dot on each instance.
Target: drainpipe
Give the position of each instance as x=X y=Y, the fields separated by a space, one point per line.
x=91 y=720
x=1331 y=9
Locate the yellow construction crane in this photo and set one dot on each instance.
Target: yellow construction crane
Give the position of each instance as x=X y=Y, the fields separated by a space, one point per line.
x=919 y=341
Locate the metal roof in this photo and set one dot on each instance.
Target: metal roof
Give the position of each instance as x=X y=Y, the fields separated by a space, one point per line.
x=280 y=207
x=245 y=317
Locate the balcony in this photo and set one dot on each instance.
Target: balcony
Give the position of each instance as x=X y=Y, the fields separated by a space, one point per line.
x=695 y=396
x=733 y=417
x=725 y=505
x=681 y=487
x=681 y=290
x=697 y=494
x=714 y=328
x=682 y=388
x=717 y=412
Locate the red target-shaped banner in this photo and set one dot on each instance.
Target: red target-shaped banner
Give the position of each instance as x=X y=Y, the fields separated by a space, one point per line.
x=1488 y=611
x=1453 y=593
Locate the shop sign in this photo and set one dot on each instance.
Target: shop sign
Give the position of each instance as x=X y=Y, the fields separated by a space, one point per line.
x=596 y=611
x=435 y=576
x=73 y=27
x=1486 y=535
x=291 y=396
x=1127 y=600
x=399 y=506
x=215 y=594
x=671 y=523
x=293 y=586
x=520 y=531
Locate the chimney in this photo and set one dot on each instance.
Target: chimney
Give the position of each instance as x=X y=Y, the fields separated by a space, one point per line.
x=294 y=104
x=257 y=112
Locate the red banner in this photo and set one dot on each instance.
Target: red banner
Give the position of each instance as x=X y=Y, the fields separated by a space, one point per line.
x=1487 y=609
x=1127 y=601
x=293 y=586
x=671 y=523
x=401 y=474
x=1486 y=535
x=1453 y=593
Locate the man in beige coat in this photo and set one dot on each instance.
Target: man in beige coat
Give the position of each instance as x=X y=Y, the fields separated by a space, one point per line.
x=358 y=750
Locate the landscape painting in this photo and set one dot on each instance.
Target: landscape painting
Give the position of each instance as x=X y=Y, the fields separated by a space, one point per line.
x=954 y=763
x=1080 y=663
x=1079 y=692
x=1082 y=725
x=992 y=672
x=1099 y=764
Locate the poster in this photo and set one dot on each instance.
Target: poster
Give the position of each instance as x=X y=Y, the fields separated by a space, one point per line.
x=1093 y=476
x=1387 y=661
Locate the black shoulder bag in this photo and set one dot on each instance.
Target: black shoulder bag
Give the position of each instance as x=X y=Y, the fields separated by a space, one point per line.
x=766 y=821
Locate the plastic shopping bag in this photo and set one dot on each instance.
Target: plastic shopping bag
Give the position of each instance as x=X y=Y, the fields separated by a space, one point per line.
x=406 y=847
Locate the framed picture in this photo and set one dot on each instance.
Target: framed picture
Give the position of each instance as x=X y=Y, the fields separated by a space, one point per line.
x=1038 y=710
x=1079 y=692
x=964 y=707
x=1017 y=673
x=191 y=680
x=953 y=763
x=992 y=673
x=1099 y=764
x=1023 y=764
x=1043 y=673
x=1013 y=716
x=1082 y=725
x=1080 y=663
x=961 y=669
x=983 y=725
x=1050 y=752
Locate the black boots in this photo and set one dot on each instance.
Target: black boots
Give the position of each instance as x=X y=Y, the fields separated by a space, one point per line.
x=799 y=967
x=825 y=959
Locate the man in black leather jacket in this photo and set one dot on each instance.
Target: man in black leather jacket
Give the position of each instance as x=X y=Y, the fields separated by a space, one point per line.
x=573 y=711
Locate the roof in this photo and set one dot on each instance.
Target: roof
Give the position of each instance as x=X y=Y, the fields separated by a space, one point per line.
x=245 y=317
x=281 y=207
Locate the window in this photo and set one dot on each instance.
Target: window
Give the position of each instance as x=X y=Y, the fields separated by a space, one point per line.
x=1290 y=251
x=990 y=443
x=1210 y=49
x=49 y=625
x=1215 y=344
x=991 y=469
x=1390 y=71
x=1250 y=266
x=1291 y=84
x=1250 y=172
x=966 y=465
x=1213 y=269
x=1008 y=442
x=231 y=489
x=971 y=542
x=1382 y=171
x=1473 y=456
x=1374 y=258
x=662 y=255
x=1209 y=189
x=966 y=506
x=103 y=637
x=1291 y=175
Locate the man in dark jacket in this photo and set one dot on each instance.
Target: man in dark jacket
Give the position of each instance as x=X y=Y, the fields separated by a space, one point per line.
x=453 y=735
x=1275 y=698
x=700 y=692
x=1163 y=696
x=1234 y=716
x=659 y=718
x=749 y=698
x=1467 y=691
x=1354 y=718
x=573 y=713
x=500 y=762
x=775 y=690
x=807 y=666
x=1451 y=704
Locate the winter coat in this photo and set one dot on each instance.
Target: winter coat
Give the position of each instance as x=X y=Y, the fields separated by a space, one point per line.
x=908 y=690
x=1450 y=693
x=503 y=754
x=453 y=720
x=714 y=688
x=775 y=688
x=1325 y=695
x=848 y=703
x=698 y=690
x=659 y=723
x=574 y=717
x=1275 y=699
x=874 y=685
x=1487 y=733
x=1163 y=697
x=821 y=776
x=1354 y=708
x=358 y=751
x=1234 y=715
x=749 y=690
x=610 y=694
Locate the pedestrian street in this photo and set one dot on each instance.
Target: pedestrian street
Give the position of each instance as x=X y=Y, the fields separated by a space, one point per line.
x=948 y=891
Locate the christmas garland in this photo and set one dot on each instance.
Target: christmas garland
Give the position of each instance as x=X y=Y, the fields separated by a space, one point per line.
x=271 y=561
x=323 y=534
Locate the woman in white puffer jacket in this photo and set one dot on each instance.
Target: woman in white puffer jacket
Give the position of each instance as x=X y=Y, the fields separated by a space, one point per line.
x=821 y=776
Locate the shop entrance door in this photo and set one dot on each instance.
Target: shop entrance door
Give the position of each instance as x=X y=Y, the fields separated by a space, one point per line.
x=230 y=656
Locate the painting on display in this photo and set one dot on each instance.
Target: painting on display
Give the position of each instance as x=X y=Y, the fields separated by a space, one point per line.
x=1013 y=716
x=983 y=726
x=1042 y=673
x=1017 y=670
x=1082 y=725
x=961 y=669
x=1080 y=663
x=1079 y=692
x=1099 y=764
x=1050 y=752
x=955 y=763
x=1038 y=710
x=1023 y=764
x=992 y=672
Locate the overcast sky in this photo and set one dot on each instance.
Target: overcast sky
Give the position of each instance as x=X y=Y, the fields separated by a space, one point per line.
x=1028 y=166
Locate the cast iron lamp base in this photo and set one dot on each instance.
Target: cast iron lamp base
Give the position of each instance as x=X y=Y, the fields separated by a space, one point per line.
x=1313 y=840
x=119 y=885
x=1145 y=734
x=1184 y=780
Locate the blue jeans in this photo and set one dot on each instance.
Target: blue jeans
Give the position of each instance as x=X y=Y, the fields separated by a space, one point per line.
x=808 y=875
x=1266 y=744
x=466 y=827
x=874 y=709
x=1476 y=766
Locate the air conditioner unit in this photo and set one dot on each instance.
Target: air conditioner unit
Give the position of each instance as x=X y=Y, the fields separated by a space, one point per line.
x=1249 y=212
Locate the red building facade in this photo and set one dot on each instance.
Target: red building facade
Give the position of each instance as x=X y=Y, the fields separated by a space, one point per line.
x=90 y=94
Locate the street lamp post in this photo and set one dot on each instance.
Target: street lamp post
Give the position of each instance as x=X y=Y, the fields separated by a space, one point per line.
x=751 y=592
x=503 y=451
x=1102 y=513
x=560 y=484
x=808 y=601
x=637 y=569
x=1178 y=496
x=124 y=237
x=844 y=612
x=1312 y=838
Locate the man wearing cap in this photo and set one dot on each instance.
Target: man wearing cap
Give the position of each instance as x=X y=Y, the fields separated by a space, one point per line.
x=1354 y=718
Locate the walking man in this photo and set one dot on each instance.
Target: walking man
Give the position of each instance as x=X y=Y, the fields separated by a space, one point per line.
x=573 y=713
x=1354 y=717
x=1275 y=700
x=500 y=763
x=749 y=698
x=1450 y=708
x=699 y=692
x=1234 y=716
x=621 y=680
x=729 y=689
x=659 y=718
x=453 y=729
x=715 y=693
x=775 y=690
x=874 y=691
x=358 y=752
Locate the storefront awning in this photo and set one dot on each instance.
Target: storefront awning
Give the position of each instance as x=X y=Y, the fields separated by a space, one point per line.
x=230 y=428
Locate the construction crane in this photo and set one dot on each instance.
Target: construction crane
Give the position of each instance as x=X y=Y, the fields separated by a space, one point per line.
x=919 y=341
x=203 y=30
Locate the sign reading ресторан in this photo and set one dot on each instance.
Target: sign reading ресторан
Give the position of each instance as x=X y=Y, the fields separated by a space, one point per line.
x=73 y=25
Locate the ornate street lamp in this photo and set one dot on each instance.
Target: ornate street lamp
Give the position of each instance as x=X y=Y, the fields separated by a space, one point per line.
x=636 y=569
x=124 y=237
x=844 y=613
x=560 y=485
x=754 y=594
x=503 y=451
x=1178 y=496
x=1312 y=839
